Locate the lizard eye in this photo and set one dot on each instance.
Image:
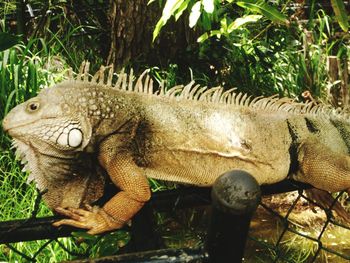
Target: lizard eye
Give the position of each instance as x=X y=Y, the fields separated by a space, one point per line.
x=33 y=106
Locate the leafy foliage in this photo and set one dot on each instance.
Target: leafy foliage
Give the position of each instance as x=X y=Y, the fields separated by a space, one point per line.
x=260 y=47
x=341 y=14
x=263 y=8
x=7 y=41
x=212 y=10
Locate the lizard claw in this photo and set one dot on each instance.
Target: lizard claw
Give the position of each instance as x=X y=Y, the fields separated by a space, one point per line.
x=325 y=200
x=89 y=219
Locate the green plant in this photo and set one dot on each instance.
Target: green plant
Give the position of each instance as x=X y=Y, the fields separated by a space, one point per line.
x=206 y=13
x=254 y=47
x=243 y=44
x=25 y=68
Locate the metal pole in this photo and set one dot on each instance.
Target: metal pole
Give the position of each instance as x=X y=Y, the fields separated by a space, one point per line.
x=41 y=228
x=235 y=197
x=156 y=256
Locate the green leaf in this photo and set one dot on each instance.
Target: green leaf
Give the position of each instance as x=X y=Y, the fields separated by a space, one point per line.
x=7 y=41
x=195 y=14
x=85 y=235
x=157 y=29
x=216 y=33
x=241 y=21
x=208 y=6
x=263 y=8
x=206 y=21
x=202 y=38
x=170 y=7
x=181 y=9
x=340 y=14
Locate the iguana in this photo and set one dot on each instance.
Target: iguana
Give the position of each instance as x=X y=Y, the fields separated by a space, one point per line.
x=73 y=135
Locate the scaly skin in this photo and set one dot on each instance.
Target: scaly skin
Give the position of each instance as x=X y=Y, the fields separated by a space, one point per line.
x=78 y=132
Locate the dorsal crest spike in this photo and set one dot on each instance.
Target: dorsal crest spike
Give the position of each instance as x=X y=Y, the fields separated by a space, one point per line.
x=199 y=93
x=124 y=81
x=131 y=79
x=139 y=84
x=247 y=101
x=171 y=93
x=255 y=100
x=194 y=92
x=70 y=74
x=238 y=97
x=119 y=80
x=271 y=102
x=242 y=101
x=86 y=71
x=101 y=77
x=308 y=106
x=227 y=98
x=217 y=95
x=146 y=84
x=162 y=88
x=150 y=87
x=81 y=71
x=186 y=90
x=95 y=78
x=226 y=95
x=110 y=75
x=207 y=94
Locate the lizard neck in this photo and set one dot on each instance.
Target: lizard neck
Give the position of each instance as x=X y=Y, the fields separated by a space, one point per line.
x=119 y=117
x=64 y=178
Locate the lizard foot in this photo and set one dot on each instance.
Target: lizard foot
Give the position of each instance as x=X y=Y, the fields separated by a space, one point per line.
x=94 y=219
x=325 y=200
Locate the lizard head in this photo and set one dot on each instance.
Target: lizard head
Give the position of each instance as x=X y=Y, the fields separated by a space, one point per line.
x=47 y=119
x=50 y=138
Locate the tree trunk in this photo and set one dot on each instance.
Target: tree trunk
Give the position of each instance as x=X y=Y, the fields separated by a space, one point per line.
x=132 y=24
x=20 y=14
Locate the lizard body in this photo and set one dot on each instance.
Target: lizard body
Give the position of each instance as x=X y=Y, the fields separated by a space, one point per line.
x=76 y=133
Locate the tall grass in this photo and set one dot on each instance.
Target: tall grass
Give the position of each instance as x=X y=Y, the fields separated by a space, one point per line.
x=267 y=60
x=278 y=63
x=23 y=73
x=24 y=70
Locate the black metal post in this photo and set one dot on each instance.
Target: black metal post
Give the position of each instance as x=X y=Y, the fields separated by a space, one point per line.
x=235 y=197
x=185 y=255
x=32 y=229
x=41 y=228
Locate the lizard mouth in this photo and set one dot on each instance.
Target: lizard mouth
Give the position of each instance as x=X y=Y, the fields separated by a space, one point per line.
x=11 y=128
x=8 y=125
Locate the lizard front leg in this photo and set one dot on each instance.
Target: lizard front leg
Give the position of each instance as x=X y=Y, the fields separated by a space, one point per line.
x=323 y=168
x=134 y=192
x=326 y=170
